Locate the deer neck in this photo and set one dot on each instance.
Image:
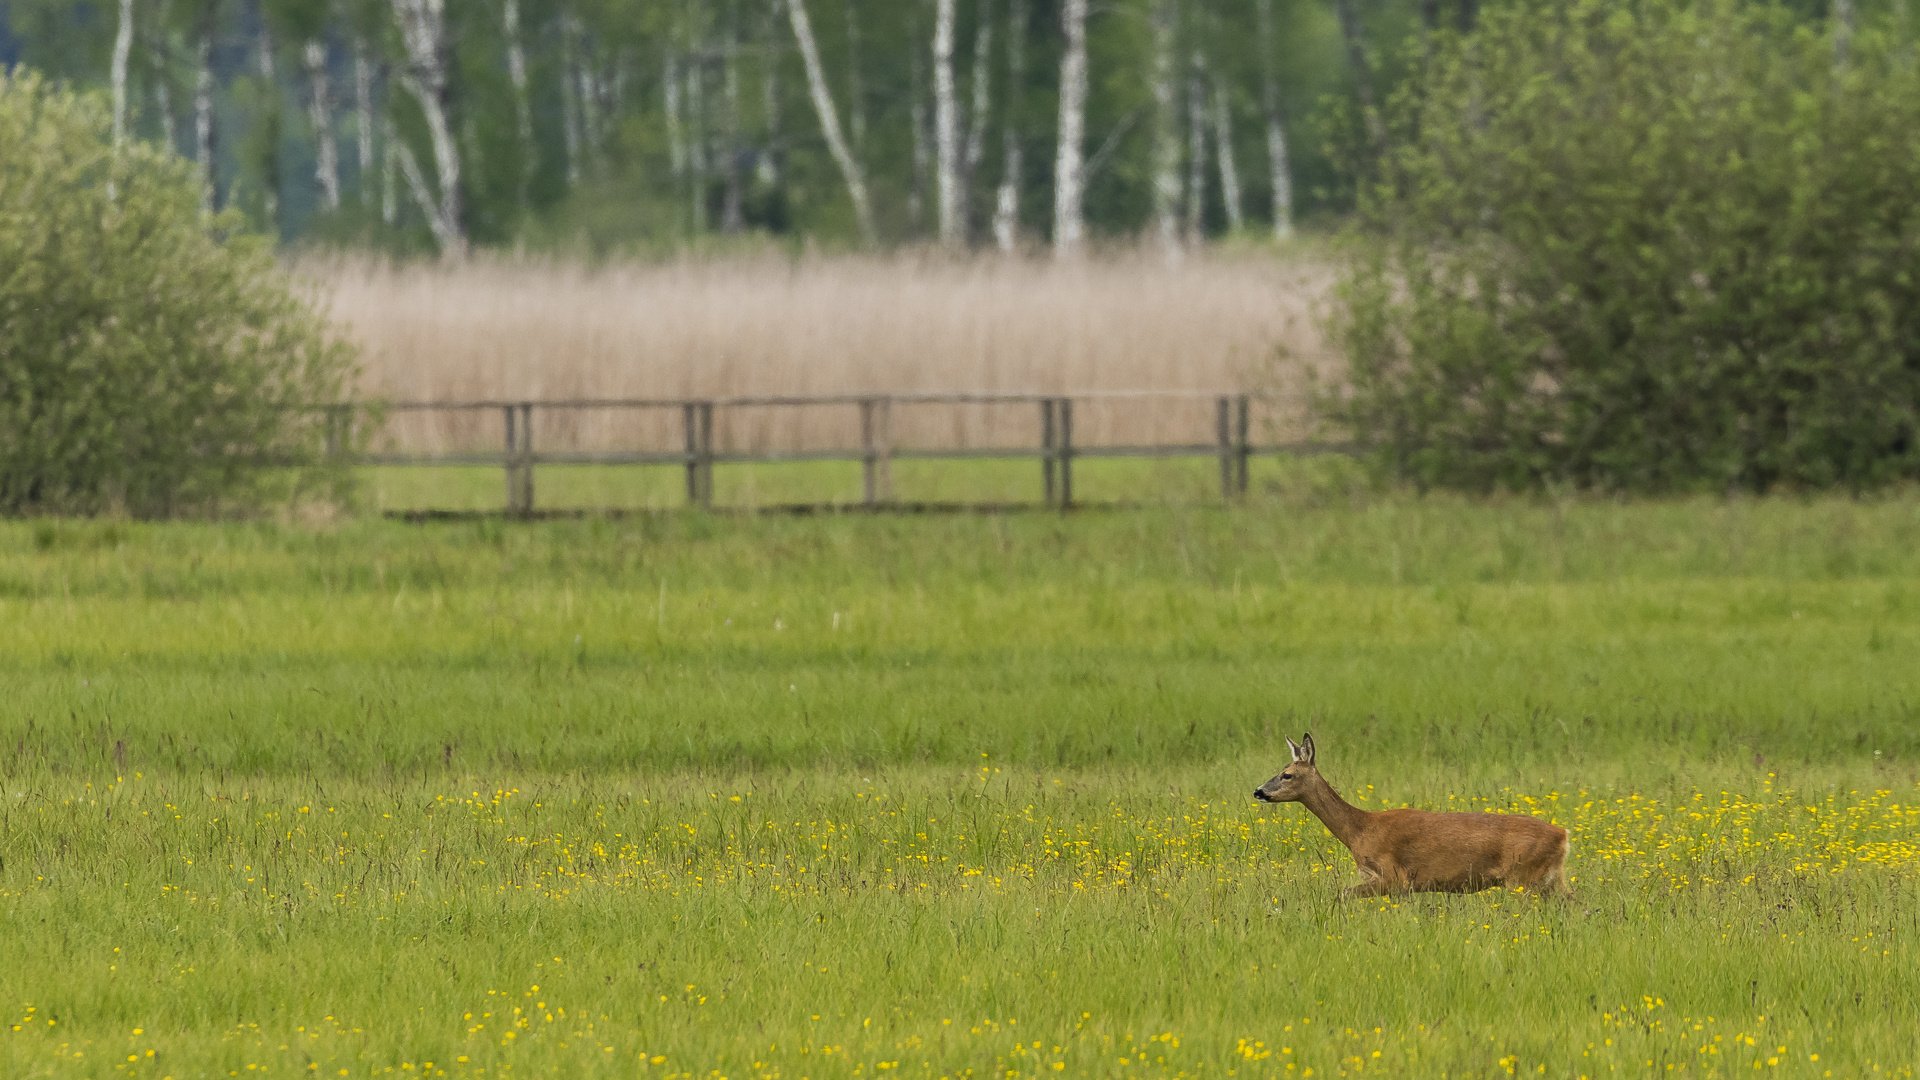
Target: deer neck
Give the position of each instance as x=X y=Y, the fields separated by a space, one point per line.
x=1344 y=820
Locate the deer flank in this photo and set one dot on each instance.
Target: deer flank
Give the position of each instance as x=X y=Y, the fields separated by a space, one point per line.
x=1402 y=851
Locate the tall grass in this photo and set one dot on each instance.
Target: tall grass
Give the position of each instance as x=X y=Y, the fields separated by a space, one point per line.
x=986 y=920
x=845 y=796
x=1482 y=634
x=814 y=325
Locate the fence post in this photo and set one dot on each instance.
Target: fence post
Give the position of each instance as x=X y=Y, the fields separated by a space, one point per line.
x=876 y=449
x=706 y=455
x=510 y=457
x=1245 y=452
x=1223 y=435
x=1066 y=453
x=526 y=458
x=869 y=493
x=697 y=417
x=690 y=423
x=1047 y=459
x=883 y=448
x=519 y=458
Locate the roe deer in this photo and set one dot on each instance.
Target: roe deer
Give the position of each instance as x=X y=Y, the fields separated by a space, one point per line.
x=1401 y=851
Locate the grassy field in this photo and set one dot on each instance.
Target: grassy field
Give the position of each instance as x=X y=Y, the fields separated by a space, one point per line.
x=679 y=795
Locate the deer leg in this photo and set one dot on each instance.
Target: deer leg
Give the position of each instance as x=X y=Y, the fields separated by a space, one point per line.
x=1372 y=886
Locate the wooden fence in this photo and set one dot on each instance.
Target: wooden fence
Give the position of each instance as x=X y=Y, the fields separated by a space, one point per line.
x=1056 y=451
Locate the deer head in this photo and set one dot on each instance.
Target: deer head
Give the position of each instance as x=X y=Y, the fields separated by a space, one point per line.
x=1292 y=781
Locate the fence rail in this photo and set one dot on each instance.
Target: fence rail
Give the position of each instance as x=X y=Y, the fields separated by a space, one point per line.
x=1056 y=451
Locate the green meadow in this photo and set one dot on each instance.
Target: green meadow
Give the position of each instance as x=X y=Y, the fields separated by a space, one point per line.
x=748 y=795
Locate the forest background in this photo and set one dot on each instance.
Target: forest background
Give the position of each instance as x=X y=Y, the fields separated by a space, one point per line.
x=636 y=126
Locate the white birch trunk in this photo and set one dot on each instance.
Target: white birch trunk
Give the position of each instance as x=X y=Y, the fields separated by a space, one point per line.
x=423 y=30
x=946 y=127
x=1281 y=172
x=389 y=197
x=160 y=64
x=592 y=129
x=569 y=97
x=363 y=118
x=1069 y=163
x=326 y=153
x=733 y=183
x=270 y=89
x=771 y=158
x=1843 y=26
x=163 y=104
x=203 y=134
x=1163 y=19
x=522 y=105
x=1196 y=149
x=698 y=157
x=1006 y=202
x=977 y=114
x=423 y=196
x=922 y=153
x=122 y=54
x=676 y=131
x=1223 y=151
x=830 y=121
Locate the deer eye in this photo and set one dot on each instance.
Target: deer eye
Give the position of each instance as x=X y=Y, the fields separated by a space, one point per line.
x=1286 y=776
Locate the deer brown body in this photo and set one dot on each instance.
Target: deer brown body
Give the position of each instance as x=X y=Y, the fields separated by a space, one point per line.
x=1401 y=851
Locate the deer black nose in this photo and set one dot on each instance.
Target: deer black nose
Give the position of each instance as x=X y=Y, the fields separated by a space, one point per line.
x=1259 y=794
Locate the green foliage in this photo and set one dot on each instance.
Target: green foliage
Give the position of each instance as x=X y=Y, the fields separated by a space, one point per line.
x=1649 y=247
x=151 y=360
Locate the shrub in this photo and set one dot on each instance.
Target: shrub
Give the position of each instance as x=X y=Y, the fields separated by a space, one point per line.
x=1647 y=246
x=153 y=360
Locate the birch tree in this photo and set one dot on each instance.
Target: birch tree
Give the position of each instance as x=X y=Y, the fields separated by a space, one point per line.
x=203 y=134
x=976 y=145
x=1279 y=168
x=363 y=117
x=122 y=55
x=1223 y=154
x=850 y=171
x=698 y=159
x=772 y=163
x=1162 y=19
x=268 y=119
x=1069 y=163
x=423 y=33
x=326 y=156
x=522 y=104
x=1006 y=202
x=919 y=148
x=570 y=104
x=946 y=126
x=733 y=181
x=163 y=97
x=1196 y=147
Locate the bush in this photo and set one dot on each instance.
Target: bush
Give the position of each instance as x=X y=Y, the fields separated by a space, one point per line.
x=1645 y=247
x=152 y=360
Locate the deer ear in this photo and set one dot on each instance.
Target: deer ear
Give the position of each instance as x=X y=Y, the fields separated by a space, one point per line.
x=1298 y=753
x=1305 y=753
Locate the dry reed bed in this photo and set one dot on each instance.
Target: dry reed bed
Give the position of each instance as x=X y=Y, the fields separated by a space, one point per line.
x=764 y=326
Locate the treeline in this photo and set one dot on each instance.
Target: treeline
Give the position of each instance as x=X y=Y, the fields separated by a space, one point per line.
x=966 y=122
x=972 y=123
